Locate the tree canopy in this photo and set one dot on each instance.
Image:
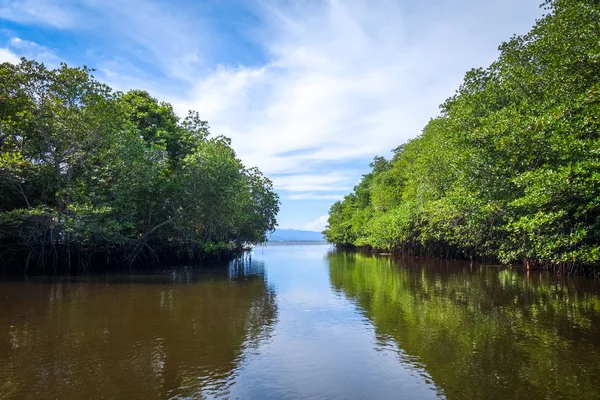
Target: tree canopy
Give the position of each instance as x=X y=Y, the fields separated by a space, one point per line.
x=87 y=173
x=510 y=169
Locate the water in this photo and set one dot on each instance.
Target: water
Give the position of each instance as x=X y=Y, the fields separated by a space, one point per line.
x=303 y=322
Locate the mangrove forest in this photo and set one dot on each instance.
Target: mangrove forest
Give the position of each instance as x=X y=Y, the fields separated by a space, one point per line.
x=510 y=169
x=90 y=176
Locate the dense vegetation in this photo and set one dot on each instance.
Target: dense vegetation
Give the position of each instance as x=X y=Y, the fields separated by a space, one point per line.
x=88 y=174
x=510 y=170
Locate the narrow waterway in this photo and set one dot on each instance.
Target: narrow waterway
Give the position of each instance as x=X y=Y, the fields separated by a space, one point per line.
x=303 y=322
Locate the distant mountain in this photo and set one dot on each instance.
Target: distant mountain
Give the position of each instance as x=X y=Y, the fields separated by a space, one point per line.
x=293 y=235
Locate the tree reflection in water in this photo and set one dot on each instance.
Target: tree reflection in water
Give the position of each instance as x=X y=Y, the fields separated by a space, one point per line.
x=481 y=332
x=179 y=334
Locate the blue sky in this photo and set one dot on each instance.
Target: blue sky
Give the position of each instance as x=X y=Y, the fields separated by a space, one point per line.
x=308 y=90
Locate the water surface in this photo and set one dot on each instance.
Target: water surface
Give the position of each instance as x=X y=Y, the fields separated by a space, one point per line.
x=302 y=322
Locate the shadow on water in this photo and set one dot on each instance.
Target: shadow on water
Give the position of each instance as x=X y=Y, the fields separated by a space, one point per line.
x=480 y=332
x=178 y=334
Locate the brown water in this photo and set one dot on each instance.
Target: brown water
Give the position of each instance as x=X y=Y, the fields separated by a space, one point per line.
x=303 y=322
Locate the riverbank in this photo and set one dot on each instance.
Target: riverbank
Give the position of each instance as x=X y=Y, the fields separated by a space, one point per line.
x=454 y=254
x=63 y=259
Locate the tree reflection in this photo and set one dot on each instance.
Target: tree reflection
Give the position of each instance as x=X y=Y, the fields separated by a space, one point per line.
x=179 y=334
x=481 y=332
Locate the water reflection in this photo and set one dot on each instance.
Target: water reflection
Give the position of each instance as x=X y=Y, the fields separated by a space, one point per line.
x=341 y=326
x=179 y=334
x=480 y=332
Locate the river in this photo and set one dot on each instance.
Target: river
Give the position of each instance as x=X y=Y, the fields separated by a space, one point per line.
x=299 y=322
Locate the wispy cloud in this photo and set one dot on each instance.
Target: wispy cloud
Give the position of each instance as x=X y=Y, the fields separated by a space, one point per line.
x=32 y=50
x=17 y=48
x=164 y=37
x=346 y=79
x=158 y=33
x=44 y=12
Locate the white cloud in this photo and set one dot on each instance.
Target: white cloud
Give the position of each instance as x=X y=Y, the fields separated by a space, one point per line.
x=318 y=224
x=8 y=56
x=32 y=50
x=348 y=80
x=17 y=48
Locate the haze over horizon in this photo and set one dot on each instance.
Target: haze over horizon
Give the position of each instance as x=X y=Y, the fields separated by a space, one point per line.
x=309 y=91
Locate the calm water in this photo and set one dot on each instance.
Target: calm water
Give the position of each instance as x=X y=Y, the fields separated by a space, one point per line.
x=303 y=322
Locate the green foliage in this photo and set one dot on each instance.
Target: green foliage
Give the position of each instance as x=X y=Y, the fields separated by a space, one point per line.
x=86 y=172
x=510 y=169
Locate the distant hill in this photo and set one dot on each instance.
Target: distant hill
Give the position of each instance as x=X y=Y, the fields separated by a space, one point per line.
x=293 y=235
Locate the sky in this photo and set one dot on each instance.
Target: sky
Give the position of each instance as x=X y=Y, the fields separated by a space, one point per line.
x=309 y=91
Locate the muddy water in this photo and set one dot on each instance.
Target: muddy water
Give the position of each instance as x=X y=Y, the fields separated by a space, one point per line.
x=302 y=322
